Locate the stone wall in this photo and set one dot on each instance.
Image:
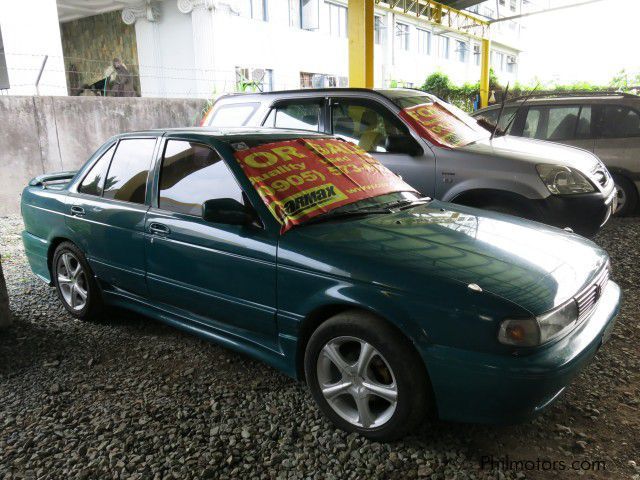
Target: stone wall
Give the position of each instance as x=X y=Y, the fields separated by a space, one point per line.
x=47 y=134
x=90 y=44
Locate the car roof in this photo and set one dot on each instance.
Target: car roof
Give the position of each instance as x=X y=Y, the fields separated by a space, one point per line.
x=226 y=133
x=389 y=93
x=568 y=99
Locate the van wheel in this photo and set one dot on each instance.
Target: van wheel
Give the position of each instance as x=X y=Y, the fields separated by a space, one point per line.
x=366 y=377
x=75 y=283
x=627 y=196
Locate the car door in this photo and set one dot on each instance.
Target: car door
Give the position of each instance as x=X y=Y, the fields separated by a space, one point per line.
x=222 y=276
x=618 y=142
x=107 y=212
x=566 y=124
x=378 y=131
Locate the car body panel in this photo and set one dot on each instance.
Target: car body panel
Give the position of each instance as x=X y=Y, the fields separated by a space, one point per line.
x=257 y=291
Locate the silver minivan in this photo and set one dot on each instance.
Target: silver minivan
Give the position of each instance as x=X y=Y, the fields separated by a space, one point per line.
x=441 y=151
x=607 y=124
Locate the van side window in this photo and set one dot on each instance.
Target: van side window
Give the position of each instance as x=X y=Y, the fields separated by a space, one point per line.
x=620 y=122
x=93 y=182
x=301 y=116
x=127 y=177
x=235 y=115
x=552 y=123
x=584 y=123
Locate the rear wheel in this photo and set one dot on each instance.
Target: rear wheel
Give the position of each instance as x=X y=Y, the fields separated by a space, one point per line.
x=627 y=196
x=75 y=282
x=366 y=377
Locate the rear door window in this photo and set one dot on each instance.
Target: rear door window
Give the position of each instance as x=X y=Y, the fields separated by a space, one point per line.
x=190 y=175
x=619 y=121
x=127 y=177
x=235 y=115
x=300 y=116
x=365 y=123
x=552 y=122
x=93 y=182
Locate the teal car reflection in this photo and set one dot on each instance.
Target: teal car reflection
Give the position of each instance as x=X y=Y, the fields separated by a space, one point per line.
x=389 y=313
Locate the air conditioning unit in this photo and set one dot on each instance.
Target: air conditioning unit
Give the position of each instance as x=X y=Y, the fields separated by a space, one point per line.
x=512 y=60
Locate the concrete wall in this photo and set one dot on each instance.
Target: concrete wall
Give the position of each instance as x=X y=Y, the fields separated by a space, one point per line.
x=48 y=134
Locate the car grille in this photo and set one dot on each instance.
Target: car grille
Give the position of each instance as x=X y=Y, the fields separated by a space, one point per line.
x=588 y=298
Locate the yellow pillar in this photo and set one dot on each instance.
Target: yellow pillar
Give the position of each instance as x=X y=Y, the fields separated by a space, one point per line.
x=360 y=29
x=484 y=72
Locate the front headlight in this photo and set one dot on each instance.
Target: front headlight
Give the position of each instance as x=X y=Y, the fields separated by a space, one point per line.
x=531 y=332
x=562 y=180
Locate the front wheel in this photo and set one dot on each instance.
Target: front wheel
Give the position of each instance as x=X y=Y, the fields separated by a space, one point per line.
x=627 y=196
x=75 y=282
x=366 y=377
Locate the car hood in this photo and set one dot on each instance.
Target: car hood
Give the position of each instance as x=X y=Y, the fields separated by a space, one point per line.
x=535 y=151
x=527 y=263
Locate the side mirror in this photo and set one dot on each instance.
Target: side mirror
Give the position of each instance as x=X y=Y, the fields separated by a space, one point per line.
x=226 y=210
x=402 y=144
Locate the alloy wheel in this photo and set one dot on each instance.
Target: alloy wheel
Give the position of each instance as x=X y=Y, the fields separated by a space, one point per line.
x=357 y=382
x=72 y=281
x=622 y=198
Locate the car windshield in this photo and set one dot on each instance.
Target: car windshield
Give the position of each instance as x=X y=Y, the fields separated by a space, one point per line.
x=440 y=122
x=299 y=179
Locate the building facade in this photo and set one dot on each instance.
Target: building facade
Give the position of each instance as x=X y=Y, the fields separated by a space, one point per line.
x=201 y=48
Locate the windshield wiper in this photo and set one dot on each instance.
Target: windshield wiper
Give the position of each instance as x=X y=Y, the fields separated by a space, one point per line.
x=355 y=212
x=405 y=204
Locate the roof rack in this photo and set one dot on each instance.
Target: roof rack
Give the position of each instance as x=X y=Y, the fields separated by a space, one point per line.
x=576 y=93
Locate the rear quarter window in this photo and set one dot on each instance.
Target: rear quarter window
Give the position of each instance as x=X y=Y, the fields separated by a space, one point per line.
x=234 y=115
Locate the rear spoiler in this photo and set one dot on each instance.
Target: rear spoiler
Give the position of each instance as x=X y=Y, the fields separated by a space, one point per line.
x=47 y=178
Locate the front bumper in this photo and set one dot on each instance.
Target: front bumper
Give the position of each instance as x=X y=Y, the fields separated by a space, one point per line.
x=584 y=213
x=486 y=388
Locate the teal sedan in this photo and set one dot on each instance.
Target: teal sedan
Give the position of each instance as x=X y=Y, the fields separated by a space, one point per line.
x=303 y=251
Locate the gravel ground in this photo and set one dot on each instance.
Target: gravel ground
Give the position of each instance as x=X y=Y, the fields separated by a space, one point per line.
x=132 y=398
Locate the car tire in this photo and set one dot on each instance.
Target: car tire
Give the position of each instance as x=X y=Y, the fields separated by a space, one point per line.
x=385 y=396
x=627 y=193
x=75 y=283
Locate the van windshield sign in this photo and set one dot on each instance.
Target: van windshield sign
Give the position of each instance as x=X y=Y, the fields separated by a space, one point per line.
x=303 y=178
x=439 y=125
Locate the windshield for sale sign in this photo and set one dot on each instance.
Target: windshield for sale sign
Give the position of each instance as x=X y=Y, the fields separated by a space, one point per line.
x=303 y=178
x=438 y=125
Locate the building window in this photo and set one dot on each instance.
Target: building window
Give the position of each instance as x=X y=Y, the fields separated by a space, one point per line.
x=322 y=80
x=402 y=32
x=377 y=30
x=511 y=63
x=424 y=41
x=512 y=5
x=444 y=47
x=476 y=54
x=295 y=14
x=497 y=60
x=256 y=9
x=337 y=20
x=461 y=51
x=254 y=79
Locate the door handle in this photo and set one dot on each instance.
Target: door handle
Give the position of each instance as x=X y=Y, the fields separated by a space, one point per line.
x=159 y=229
x=77 y=211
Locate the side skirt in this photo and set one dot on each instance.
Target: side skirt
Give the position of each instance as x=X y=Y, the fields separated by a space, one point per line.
x=279 y=360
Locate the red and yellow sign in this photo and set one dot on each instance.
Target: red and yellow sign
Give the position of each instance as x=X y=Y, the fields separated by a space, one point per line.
x=438 y=125
x=303 y=178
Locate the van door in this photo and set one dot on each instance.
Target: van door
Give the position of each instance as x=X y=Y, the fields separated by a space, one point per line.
x=378 y=131
x=618 y=142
